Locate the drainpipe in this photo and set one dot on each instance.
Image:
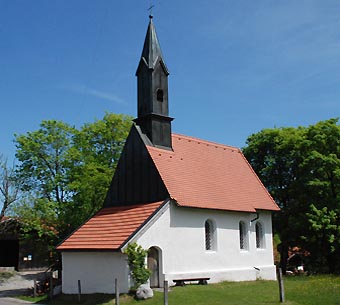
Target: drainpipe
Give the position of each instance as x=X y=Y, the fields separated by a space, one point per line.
x=256 y=218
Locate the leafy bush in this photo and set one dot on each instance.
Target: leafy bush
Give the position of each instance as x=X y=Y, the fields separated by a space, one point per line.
x=136 y=260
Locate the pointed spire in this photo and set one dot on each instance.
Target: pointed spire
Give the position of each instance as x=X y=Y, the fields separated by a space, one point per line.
x=151 y=49
x=152 y=82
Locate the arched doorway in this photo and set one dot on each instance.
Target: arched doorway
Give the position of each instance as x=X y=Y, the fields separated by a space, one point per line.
x=153 y=266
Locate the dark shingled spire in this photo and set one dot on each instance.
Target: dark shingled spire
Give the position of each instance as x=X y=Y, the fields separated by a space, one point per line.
x=151 y=48
x=152 y=78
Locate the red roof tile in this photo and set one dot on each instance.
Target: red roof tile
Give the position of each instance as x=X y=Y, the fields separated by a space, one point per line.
x=203 y=174
x=197 y=174
x=110 y=228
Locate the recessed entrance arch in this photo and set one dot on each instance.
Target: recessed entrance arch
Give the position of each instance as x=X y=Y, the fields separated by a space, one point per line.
x=154 y=266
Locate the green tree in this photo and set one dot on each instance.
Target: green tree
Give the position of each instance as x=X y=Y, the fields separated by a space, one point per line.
x=9 y=186
x=37 y=216
x=45 y=161
x=273 y=155
x=300 y=168
x=323 y=240
x=70 y=169
x=321 y=166
x=96 y=148
x=38 y=227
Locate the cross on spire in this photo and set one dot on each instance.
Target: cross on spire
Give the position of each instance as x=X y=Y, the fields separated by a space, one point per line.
x=150 y=9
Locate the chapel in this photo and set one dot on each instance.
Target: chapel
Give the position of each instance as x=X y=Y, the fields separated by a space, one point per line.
x=197 y=206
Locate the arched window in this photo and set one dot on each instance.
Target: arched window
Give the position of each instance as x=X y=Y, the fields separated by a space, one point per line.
x=209 y=235
x=259 y=235
x=243 y=236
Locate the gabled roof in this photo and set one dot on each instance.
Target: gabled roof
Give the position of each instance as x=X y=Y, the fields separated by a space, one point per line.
x=197 y=174
x=110 y=228
x=203 y=174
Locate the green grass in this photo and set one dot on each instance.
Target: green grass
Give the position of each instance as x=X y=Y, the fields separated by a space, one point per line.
x=37 y=300
x=313 y=290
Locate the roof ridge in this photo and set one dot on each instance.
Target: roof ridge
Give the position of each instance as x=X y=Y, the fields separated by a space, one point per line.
x=205 y=141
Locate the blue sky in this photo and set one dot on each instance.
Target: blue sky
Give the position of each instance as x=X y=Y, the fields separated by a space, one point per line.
x=236 y=67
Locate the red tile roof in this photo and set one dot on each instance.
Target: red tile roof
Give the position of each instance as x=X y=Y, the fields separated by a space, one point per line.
x=202 y=174
x=110 y=228
x=197 y=174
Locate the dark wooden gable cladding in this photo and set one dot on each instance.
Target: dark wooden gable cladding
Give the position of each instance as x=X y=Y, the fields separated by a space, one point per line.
x=136 y=179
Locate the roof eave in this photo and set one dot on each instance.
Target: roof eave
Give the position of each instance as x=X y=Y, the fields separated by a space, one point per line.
x=89 y=250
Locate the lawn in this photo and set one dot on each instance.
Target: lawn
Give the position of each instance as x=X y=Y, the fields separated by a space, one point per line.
x=312 y=290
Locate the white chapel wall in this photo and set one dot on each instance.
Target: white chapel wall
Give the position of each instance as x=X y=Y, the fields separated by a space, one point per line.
x=96 y=271
x=179 y=233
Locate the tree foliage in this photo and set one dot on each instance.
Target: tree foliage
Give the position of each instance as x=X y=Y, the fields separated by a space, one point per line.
x=9 y=186
x=45 y=160
x=301 y=169
x=67 y=171
x=96 y=150
x=37 y=218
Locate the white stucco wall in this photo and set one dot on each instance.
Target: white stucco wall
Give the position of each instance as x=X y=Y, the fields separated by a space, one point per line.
x=97 y=272
x=179 y=233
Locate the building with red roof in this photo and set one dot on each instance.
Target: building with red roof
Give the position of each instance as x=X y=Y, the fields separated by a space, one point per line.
x=197 y=206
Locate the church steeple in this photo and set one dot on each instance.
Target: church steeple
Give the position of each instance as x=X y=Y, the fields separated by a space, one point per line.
x=152 y=79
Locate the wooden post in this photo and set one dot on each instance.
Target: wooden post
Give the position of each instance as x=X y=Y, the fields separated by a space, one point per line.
x=117 y=292
x=166 y=289
x=281 y=287
x=35 y=288
x=79 y=290
x=51 y=286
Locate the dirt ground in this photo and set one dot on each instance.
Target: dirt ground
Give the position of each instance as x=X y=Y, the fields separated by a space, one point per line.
x=12 y=301
x=19 y=284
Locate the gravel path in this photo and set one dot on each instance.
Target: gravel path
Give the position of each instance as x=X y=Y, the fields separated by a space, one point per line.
x=12 y=301
x=18 y=285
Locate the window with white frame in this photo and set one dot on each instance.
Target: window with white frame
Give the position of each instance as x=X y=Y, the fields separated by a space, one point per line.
x=210 y=239
x=243 y=231
x=259 y=235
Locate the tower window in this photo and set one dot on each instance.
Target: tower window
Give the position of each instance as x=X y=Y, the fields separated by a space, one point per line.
x=160 y=95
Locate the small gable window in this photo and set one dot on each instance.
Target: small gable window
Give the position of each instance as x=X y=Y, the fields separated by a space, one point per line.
x=209 y=235
x=160 y=95
x=243 y=235
x=259 y=236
